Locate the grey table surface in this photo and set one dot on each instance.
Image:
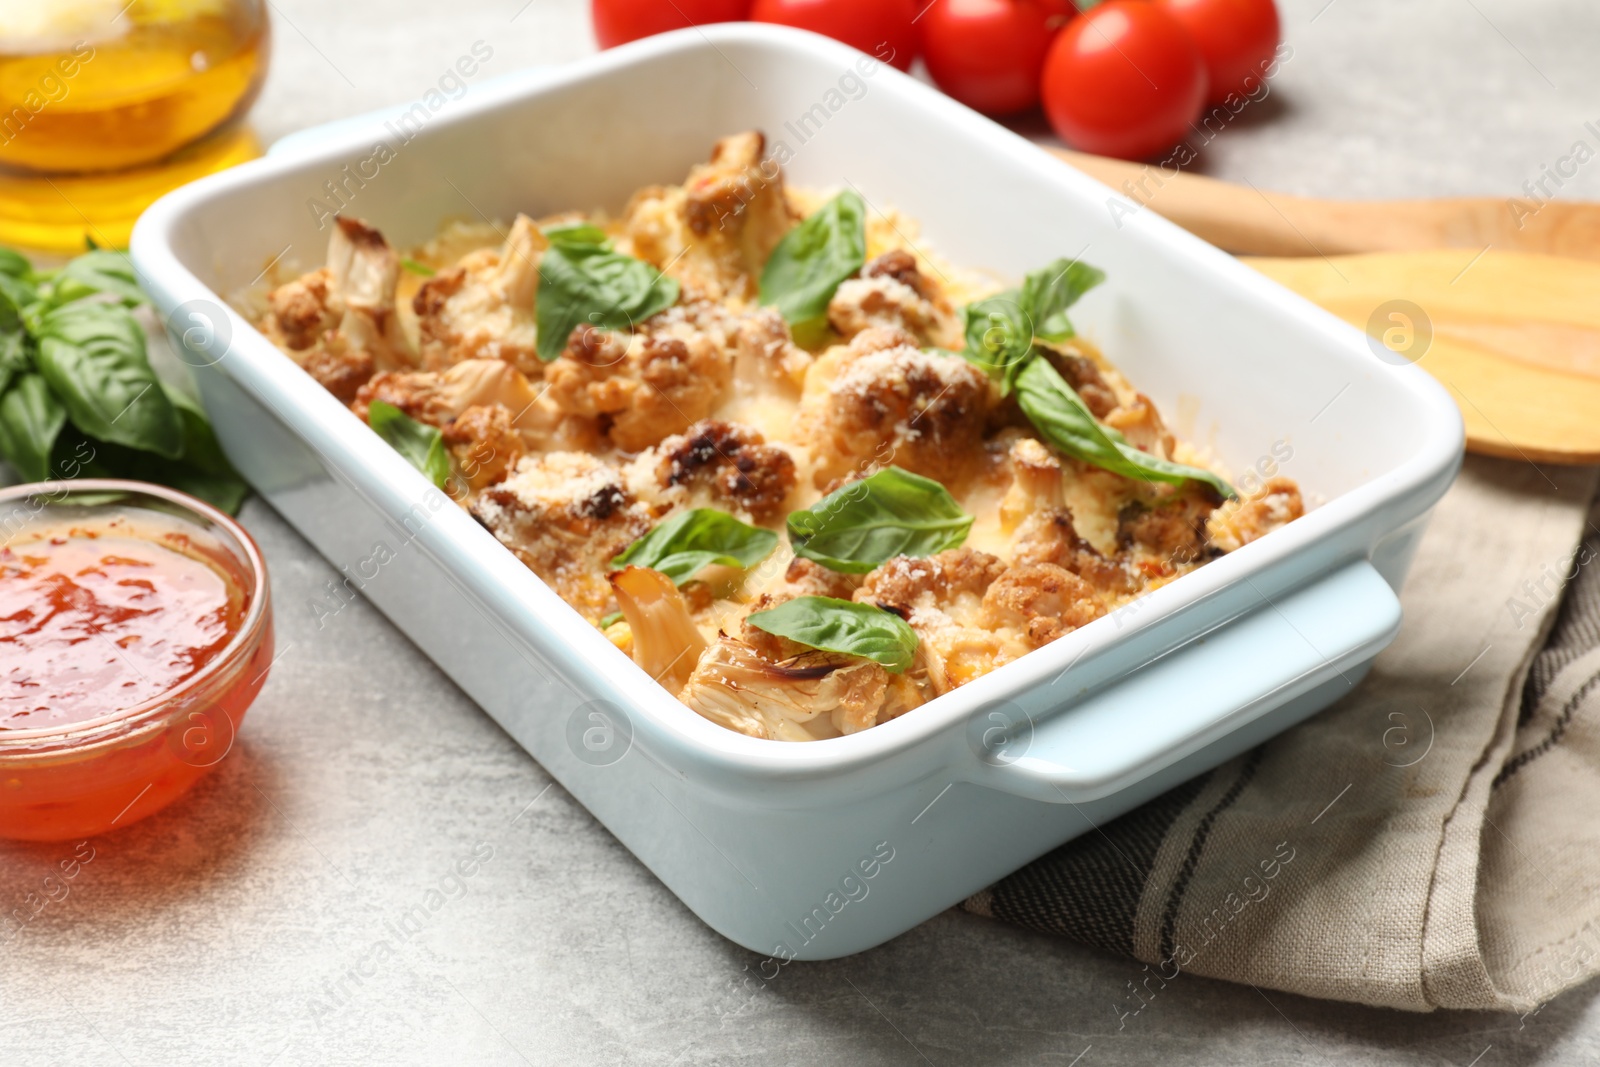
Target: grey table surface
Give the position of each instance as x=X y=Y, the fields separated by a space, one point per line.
x=217 y=931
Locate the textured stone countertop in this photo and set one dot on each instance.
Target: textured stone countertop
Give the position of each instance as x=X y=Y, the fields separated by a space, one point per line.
x=213 y=932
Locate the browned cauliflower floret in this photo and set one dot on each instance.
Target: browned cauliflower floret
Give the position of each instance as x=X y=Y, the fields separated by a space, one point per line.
x=900 y=584
x=1278 y=503
x=339 y=322
x=867 y=406
x=725 y=464
x=942 y=598
x=1041 y=524
x=807 y=577
x=643 y=386
x=483 y=444
x=1170 y=525
x=813 y=695
x=714 y=233
x=483 y=307
x=739 y=194
x=891 y=291
x=666 y=642
x=565 y=515
x=1141 y=424
x=765 y=352
x=1041 y=600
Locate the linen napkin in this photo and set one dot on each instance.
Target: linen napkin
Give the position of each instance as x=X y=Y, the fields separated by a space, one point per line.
x=1432 y=840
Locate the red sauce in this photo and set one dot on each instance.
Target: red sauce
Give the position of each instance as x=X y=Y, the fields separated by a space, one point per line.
x=92 y=624
x=130 y=610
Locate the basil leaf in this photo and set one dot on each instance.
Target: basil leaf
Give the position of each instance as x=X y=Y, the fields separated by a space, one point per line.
x=100 y=271
x=1047 y=293
x=892 y=513
x=413 y=267
x=14 y=263
x=30 y=420
x=588 y=283
x=1058 y=413
x=206 y=472
x=688 y=542
x=13 y=355
x=608 y=621
x=842 y=626
x=422 y=445
x=93 y=356
x=813 y=258
x=576 y=233
x=999 y=333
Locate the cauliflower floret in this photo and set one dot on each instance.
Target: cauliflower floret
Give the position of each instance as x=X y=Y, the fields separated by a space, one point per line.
x=941 y=597
x=1169 y=524
x=715 y=232
x=891 y=291
x=813 y=695
x=806 y=577
x=565 y=515
x=765 y=352
x=870 y=404
x=483 y=307
x=1237 y=523
x=723 y=464
x=484 y=444
x=339 y=322
x=1042 y=600
x=666 y=642
x=1041 y=524
x=646 y=385
x=738 y=194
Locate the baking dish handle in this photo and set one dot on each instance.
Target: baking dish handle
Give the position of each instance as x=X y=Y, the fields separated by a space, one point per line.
x=1322 y=635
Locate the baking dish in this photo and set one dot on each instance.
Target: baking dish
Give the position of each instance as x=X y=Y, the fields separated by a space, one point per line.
x=823 y=849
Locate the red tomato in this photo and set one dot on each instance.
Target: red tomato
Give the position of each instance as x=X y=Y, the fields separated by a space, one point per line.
x=988 y=54
x=620 y=21
x=883 y=28
x=1237 y=39
x=1123 y=80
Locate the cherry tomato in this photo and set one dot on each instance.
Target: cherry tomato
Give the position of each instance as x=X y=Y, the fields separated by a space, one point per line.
x=989 y=54
x=1237 y=39
x=620 y=21
x=883 y=28
x=1123 y=80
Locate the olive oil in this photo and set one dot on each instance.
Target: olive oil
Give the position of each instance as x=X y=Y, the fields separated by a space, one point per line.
x=107 y=104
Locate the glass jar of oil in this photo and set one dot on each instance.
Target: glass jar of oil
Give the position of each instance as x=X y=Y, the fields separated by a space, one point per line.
x=107 y=104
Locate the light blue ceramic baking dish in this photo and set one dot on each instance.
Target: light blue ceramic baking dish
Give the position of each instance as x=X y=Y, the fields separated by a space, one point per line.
x=823 y=849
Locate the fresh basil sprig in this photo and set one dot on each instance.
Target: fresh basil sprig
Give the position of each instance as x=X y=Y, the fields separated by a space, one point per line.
x=77 y=394
x=693 y=540
x=807 y=266
x=1056 y=410
x=1000 y=329
x=842 y=626
x=583 y=281
x=1048 y=293
x=891 y=513
x=575 y=233
x=422 y=445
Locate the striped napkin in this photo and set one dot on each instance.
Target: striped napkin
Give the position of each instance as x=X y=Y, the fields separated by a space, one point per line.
x=1432 y=840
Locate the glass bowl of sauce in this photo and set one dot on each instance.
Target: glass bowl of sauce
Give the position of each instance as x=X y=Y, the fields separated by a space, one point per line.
x=135 y=630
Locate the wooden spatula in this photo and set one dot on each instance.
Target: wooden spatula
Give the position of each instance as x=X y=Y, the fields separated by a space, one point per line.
x=1512 y=333
x=1251 y=221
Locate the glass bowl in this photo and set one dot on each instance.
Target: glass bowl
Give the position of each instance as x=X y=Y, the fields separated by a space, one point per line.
x=79 y=779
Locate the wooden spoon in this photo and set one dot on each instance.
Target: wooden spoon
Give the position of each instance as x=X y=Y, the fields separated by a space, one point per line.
x=1250 y=221
x=1513 y=334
